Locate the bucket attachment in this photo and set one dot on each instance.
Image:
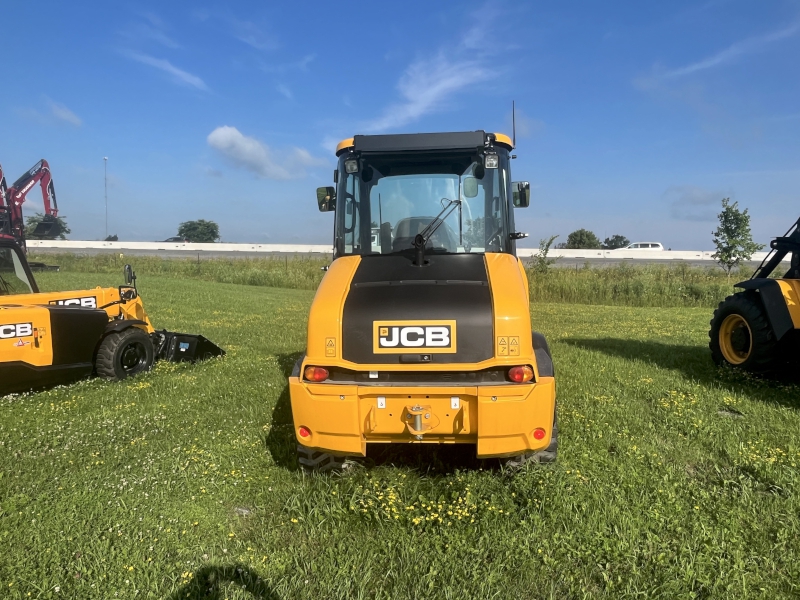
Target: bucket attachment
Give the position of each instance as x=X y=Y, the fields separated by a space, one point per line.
x=47 y=228
x=183 y=347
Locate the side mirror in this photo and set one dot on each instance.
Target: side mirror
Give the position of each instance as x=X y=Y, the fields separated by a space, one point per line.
x=130 y=276
x=326 y=198
x=470 y=187
x=521 y=193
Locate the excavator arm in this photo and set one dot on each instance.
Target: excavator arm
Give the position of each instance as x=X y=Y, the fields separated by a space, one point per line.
x=13 y=198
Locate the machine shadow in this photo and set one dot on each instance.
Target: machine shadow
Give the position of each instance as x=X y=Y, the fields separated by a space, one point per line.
x=694 y=362
x=280 y=440
x=209 y=583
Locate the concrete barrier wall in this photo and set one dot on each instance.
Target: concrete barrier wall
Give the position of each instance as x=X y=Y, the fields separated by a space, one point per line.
x=77 y=246
x=651 y=255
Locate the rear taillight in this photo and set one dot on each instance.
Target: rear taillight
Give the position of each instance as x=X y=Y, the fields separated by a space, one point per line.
x=304 y=432
x=520 y=374
x=316 y=373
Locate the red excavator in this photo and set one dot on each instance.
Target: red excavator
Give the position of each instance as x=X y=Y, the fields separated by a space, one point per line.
x=11 y=200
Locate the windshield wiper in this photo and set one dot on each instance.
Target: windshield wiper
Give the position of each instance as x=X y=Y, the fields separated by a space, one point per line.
x=423 y=236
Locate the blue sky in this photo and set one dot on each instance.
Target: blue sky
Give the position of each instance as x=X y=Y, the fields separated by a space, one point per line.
x=633 y=118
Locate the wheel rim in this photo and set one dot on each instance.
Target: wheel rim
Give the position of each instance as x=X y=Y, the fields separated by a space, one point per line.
x=735 y=339
x=133 y=358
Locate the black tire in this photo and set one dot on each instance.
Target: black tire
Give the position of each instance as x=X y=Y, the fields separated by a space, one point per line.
x=548 y=455
x=312 y=460
x=124 y=354
x=741 y=335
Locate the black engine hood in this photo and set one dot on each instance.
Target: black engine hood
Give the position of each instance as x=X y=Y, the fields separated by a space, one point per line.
x=451 y=287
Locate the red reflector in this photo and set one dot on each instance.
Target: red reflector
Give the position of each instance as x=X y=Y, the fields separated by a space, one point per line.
x=316 y=373
x=539 y=433
x=520 y=374
x=304 y=433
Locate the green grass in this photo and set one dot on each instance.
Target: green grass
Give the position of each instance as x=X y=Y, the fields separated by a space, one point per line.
x=651 y=285
x=617 y=285
x=674 y=480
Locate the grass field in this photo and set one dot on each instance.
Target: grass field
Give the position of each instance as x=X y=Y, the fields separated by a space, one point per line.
x=674 y=480
x=669 y=285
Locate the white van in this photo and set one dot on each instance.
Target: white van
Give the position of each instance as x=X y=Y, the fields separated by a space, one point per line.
x=643 y=246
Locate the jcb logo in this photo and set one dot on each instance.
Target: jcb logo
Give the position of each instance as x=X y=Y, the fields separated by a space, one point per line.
x=404 y=337
x=90 y=302
x=16 y=330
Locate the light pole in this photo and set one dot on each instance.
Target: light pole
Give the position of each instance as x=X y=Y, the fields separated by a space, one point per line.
x=105 y=185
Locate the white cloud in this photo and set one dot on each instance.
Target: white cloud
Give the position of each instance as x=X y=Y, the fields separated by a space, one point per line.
x=252 y=35
x=152 y=30
x=55 y=113
x=258 y=158
x=298 y=65
x=428 y=83
x=748 y=46
x=526 y=126
x=284 y=90
x=62 y=113
x=178 y=75
x=692 y=203
x=425 y=87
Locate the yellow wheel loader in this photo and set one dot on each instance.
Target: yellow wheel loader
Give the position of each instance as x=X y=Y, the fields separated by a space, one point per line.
x=420 y=331
x=56 y=338
x=757 y=329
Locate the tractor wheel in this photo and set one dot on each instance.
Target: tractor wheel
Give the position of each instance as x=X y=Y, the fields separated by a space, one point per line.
x=548 y=455
x=312 y=460
x=124 y=354
x=741 y=335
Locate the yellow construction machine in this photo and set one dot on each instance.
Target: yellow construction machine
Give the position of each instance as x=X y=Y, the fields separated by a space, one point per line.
x=55 y=338
x=420 y=331
x=757 y=328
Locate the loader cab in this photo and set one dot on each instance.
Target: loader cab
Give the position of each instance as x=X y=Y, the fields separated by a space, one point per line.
x=453 y=188
x=15 y=274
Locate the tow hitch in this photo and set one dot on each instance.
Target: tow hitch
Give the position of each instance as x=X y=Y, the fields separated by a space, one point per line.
x=419 y=419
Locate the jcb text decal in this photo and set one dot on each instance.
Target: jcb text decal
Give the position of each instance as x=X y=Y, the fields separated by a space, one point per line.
x=89 y=302
x=405 y=337
x=16 y=330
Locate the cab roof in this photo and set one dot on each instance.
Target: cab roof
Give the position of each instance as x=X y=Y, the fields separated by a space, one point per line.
x=420 y=142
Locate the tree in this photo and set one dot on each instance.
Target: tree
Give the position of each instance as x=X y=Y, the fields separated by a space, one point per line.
x=732 y=238
x=111 y=238
x=199 y=231
x=32 y=221
x=615 y=241
x=582 y=239
x=540 y=263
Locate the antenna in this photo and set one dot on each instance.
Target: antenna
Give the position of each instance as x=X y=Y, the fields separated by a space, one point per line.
x=513 y=124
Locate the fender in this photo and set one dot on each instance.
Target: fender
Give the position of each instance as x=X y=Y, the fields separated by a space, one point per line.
x=123 y=324
x=544 y=360
x=774 y=304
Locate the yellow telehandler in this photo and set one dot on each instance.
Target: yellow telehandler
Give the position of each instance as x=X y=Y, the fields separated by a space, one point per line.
x=757 y=328
x=56 y=338
x=420 y=331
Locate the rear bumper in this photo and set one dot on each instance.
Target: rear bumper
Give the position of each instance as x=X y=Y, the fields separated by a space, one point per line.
x=500 y=420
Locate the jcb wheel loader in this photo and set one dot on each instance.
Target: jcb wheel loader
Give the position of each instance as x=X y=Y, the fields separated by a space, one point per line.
x=56 y=338
x=756 y=330
x=420 y=331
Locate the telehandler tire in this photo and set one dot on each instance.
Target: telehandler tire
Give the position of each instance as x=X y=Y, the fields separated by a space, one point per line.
x=317 y=461
x=548 y=455
x=124 y=354
x=741 y=335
